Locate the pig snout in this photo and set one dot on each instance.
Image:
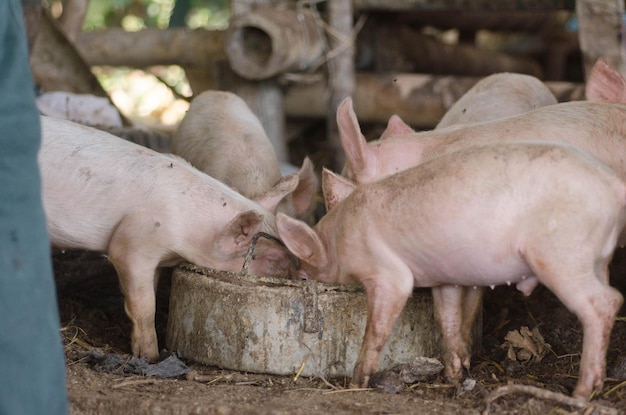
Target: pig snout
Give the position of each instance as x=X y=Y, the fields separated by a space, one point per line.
x=268 y=256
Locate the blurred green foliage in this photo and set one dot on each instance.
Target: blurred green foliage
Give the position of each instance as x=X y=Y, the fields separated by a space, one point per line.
x=158 y=93
x=140 y=14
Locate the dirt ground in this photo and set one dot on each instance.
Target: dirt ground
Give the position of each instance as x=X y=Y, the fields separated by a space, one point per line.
x=93 y=317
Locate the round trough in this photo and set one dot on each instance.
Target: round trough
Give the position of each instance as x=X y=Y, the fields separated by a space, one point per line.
x=283 y=327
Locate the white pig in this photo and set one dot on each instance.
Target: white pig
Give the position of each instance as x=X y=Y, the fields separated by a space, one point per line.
x=604 y=85
x=597 y=128
x=495 y=96
x=487 y=215
x=148 y=210
x=222 y=137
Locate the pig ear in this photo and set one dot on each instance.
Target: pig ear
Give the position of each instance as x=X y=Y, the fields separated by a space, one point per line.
x=335 y=188
x=396 y=127
x=301 y=240
x=605 y=84
x=236 y=236
x=352 y=140
x=286 y=185
x=308 y=184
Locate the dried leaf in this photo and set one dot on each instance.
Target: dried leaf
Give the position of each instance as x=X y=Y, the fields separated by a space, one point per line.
x=524 y=345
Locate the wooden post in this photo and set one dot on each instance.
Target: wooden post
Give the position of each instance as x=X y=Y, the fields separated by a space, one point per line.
x=263 y=97
x=341 y=73
x=601 y=32
x=197 y=48
x=55 y=64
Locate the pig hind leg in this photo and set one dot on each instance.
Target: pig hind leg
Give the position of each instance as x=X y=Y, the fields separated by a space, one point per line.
x=455 y=310
x=583 y=288
x=472 y=305
x=448 y=310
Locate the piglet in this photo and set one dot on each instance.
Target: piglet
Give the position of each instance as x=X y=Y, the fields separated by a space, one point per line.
x=487 y=215
x=596 y=128
x=222 y=137
x=148 y=210
x=495 y=96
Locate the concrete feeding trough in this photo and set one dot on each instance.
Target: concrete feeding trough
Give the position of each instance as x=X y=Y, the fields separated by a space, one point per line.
x=282 y=327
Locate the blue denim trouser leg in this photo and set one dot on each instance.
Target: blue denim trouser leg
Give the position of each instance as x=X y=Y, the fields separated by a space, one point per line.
x=32 y=367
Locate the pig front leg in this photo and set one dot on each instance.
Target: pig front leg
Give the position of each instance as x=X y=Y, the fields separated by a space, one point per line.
x=137 y=268
x=140 y=305
x=385 y=302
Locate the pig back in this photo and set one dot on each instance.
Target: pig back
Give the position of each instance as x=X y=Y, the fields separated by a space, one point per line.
x=596 y=128
x=92 y=179
x=498 y=96
x=222 y=137
x=484 y=202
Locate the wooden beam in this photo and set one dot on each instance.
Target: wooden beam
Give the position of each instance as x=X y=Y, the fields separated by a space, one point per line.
x=185 y=47
x=403 y=5
x=341 y=74
x=529 y=21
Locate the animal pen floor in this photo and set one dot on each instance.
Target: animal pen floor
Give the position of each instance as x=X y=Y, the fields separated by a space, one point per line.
x=93 y=317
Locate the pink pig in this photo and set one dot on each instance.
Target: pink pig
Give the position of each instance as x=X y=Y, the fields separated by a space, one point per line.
x=222 y=137
x=148 y=210
x=498 y=96
x=495 y=96
x=488 y=215
x=597 y=128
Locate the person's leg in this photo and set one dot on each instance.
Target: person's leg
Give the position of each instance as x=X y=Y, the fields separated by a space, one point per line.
x=32 y=366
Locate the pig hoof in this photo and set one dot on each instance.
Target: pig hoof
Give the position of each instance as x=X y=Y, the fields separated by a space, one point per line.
x=387 y=381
